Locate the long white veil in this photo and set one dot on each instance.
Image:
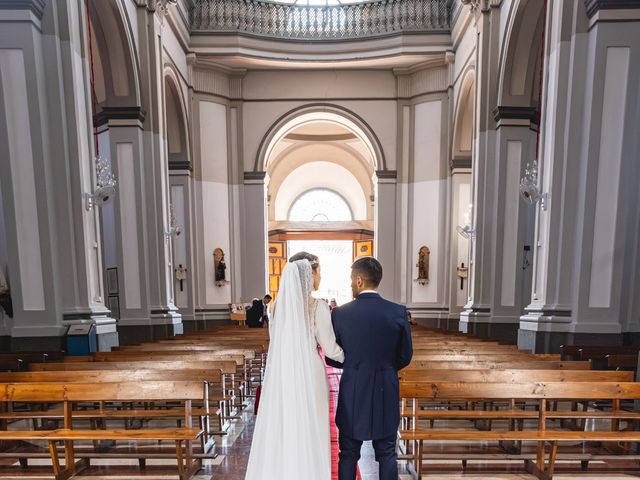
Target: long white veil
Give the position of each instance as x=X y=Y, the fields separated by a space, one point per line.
x=288 y=422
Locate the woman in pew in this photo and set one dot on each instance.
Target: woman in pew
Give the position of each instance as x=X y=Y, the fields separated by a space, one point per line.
x=291 y=440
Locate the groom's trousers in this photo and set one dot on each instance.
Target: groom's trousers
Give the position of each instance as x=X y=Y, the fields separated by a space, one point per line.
x=385 y=449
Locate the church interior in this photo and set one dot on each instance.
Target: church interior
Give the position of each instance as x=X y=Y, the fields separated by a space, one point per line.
x=160 y=160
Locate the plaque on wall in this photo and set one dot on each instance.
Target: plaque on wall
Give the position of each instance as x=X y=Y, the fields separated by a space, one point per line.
x=113 y=304
x=112 y=281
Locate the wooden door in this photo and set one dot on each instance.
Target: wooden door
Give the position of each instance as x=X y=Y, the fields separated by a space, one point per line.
x=277 y=261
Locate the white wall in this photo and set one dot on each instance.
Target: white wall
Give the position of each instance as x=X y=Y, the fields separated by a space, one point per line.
x=428 y=193
x=214 y=206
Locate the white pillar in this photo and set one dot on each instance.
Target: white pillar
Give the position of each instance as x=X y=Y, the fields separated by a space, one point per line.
x=55 y=271
x=587 y=238
x=476 y=318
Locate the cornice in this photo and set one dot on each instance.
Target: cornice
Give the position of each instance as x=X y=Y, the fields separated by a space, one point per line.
x=36 y=6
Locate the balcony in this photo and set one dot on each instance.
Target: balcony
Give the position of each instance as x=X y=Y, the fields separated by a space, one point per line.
x=280 y=21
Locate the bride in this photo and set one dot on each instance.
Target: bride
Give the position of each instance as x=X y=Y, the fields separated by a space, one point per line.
x=291 y=440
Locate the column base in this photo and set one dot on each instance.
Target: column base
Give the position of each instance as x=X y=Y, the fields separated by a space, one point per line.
x=550 y=342
x=135 y=334
x=433 y=318
x=500 y=332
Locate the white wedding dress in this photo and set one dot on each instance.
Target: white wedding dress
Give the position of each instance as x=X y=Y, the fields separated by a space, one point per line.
x=291 y=440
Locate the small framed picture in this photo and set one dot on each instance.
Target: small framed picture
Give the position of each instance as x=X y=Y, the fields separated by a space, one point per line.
x=112 y=281
x=113 y=304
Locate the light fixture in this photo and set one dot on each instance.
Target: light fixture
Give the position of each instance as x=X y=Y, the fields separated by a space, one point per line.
x=529 y=191
x=466 y=230
x=174 y=230
x=105 y=188
x=163 y=5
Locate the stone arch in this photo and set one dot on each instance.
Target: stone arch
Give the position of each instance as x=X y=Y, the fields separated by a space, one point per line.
x=176 y=121
x=326 y=112
x=520 y=62
x=115 y=61
x=463 y=127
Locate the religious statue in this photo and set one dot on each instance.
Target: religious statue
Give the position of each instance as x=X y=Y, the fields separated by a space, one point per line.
x=219 y=267
x=181 y=275
x=463 y=273
x=423 y=265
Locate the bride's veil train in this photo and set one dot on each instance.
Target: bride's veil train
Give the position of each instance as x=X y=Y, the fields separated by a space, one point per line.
x=287 y=438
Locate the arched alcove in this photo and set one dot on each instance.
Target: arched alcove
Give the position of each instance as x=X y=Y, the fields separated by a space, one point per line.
x=463 y=130
x=176 y=123
x=115 y=64
x=519 y=75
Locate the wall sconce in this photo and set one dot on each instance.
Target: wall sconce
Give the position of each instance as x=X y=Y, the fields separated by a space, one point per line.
x=466 y=230
x=174 y=230
x=105 y=188
x=163 y=5
x=529 y=191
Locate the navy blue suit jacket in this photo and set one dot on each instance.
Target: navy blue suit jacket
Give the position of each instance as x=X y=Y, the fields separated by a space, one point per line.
x=376 y=338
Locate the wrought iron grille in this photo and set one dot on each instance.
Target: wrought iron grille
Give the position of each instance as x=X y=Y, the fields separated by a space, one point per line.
x=308 y=22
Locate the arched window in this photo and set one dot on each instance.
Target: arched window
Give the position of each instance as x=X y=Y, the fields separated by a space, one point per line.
x=320 y=205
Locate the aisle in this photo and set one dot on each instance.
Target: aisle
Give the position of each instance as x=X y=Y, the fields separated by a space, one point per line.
x=334 y=387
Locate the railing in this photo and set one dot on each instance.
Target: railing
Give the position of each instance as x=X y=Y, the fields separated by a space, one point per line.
x=285 y=21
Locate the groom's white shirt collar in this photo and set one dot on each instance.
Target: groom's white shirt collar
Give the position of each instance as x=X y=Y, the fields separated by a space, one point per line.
x=368 y=291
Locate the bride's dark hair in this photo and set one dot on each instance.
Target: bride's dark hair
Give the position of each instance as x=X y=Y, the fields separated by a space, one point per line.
x=313 y=259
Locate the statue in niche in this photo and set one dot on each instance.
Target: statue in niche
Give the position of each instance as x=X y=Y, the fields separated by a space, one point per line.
x=219 y=267
x=423 y=265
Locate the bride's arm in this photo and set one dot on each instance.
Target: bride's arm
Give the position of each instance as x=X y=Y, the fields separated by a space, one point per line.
x=325 y=334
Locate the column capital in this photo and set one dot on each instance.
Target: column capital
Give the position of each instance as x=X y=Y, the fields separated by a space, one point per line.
x=119 y=113
x=594 y=6
x=36 y=6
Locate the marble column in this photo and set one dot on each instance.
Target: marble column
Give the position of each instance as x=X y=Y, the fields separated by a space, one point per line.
x=514 y=220
x=55 y=268
x=163 y=318
x=254 y=242
x=386 y=234
x=586 y=239
x=476 y=317
x=181 y=201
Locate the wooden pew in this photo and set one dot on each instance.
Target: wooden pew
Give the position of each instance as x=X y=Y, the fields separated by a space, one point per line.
x=68 y=393
x=513 y=376
x=230 y=369
x=622 y=362
x=212 y=377
x=538 y=393
x=515 y=365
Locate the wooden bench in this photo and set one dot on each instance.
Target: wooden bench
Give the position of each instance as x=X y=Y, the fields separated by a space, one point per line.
x=232 y=375
x=622 y=362
x=212 y=377
x=500 y=365
x=540 y=394
x=68 y=393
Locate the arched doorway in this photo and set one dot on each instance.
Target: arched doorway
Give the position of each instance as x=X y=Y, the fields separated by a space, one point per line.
x=321 y=196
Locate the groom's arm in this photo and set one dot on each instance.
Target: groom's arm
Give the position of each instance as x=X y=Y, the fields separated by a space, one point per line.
x=405 y=348
x=330 y=362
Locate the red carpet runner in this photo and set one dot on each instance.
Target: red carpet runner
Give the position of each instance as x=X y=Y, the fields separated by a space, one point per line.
x=334 y=387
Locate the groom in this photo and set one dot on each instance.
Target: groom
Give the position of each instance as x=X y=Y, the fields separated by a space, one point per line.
x=376 y=338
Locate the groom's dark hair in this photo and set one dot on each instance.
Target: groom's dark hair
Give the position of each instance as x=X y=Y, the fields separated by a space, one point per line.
x=369 y=269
